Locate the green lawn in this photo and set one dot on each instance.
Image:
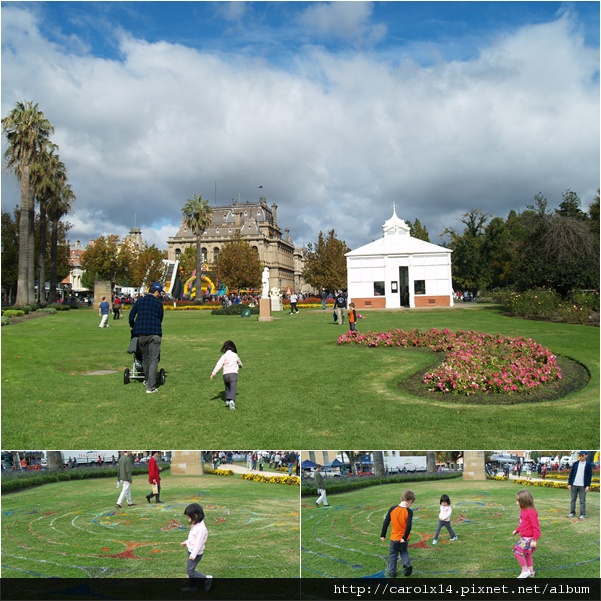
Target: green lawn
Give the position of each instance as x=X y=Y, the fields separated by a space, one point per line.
x=298 y=388
x=342 y=541
x=73 y=530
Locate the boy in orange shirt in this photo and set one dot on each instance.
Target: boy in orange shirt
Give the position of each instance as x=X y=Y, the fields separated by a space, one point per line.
x=401 y=518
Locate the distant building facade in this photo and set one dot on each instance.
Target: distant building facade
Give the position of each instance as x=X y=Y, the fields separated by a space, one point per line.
x=72 y=282
x=257 y=224
x=399 y=271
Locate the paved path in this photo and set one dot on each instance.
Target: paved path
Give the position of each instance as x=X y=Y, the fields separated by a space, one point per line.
x=239 y=469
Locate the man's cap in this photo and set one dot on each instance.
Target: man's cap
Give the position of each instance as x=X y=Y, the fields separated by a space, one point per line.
x=582 y=452
x=156 y=287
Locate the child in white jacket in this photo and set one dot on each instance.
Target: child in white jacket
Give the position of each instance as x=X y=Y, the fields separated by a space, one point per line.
x=444 y=518
x=196 y=545
x=230 y=362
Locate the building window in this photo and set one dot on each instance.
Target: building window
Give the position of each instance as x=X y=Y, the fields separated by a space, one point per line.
x=379 y=289
x=203 y=254
x=419 y=286
x=178 y=252
x=215 y=253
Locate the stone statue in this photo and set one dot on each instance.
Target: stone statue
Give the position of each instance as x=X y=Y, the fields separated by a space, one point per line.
x=265 y=283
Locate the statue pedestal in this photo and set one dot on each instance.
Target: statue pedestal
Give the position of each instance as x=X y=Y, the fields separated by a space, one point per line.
x=276 y=303
x=265 y=309
x=473 y=465
x=186 y=463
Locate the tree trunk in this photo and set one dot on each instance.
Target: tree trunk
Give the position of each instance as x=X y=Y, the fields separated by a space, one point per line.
x=41 y=297
x=198 y=257
x=378 y=463
x=55 y=460
x=31 y=251
x=23 y=276
x=53 y=260
x=431 y=462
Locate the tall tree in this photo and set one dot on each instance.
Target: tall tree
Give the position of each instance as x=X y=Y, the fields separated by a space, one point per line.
x=10 y=254
x=417 y=230
x=49 y=177
x=197 y=215
x=59 y=205
x=471 y=268
x=103 y=261
x=430 y=462
x=325 y=263
x=28 y=135
x=238 y=265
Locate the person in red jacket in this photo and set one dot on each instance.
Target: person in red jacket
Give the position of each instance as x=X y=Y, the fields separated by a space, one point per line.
x=153 y=477
x=400 y=517
x=529 y=531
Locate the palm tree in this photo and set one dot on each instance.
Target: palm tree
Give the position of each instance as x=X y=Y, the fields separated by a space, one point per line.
x=49 y=177
x=59 y=205
x=55 y=460
x=27 y=131
x=198 y=215
x=431 y=462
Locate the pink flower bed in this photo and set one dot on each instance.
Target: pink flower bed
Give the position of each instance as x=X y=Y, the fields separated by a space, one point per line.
x=475 y=363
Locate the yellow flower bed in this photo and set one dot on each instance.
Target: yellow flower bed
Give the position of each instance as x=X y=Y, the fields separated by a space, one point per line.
x=191 y=307
x=291 y=480
x=499 y=478
x=551 y=484
x=219 y=472
x=565 y=477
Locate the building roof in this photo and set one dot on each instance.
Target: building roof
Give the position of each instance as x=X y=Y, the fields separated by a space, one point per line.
x=396 y=240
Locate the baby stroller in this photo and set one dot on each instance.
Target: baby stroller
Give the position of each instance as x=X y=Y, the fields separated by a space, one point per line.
x=137 y=370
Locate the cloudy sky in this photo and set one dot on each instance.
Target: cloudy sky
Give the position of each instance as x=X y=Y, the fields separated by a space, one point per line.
x=338 y=109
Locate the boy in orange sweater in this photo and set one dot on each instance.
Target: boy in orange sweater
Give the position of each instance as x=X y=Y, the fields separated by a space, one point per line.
x=401 y=517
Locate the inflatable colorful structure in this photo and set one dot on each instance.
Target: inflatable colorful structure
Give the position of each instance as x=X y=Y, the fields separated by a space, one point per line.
x=207 y=286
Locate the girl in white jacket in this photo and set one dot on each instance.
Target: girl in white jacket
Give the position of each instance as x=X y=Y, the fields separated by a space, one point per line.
x=196 y=545
x=444 y=518
x=230 y=362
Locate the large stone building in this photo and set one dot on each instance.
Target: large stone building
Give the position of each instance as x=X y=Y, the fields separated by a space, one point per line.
x=257 y=224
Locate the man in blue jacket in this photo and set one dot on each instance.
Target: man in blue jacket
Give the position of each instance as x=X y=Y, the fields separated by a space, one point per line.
x=579 y=483
x=146 y=318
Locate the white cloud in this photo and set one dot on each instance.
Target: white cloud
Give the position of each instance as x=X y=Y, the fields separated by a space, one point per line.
x=334 y=141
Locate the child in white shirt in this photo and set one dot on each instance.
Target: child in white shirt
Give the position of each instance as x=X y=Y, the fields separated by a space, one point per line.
x=196 y=545
x=444 y=518
x=230 y=362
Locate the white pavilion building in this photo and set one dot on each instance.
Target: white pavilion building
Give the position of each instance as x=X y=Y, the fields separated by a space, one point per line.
x=399 y=271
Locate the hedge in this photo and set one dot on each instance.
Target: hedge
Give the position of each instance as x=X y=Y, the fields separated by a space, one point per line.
x=14 y=481
x=336 y=485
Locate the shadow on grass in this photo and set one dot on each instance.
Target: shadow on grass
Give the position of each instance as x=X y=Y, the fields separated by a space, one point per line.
x=574 y=377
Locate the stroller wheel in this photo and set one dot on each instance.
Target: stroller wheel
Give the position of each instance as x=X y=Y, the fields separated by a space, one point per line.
x=161 y=377
x=126 y=376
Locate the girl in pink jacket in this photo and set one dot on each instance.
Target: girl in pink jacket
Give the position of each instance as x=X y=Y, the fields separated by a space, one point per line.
x=444 y=518
x=529 y=531
x=196 y=545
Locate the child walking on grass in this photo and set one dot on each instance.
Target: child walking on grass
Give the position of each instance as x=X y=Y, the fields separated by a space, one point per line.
x=196 y=544
x=400 y=517
x=444 y=518
x=529 y=531
x=230 y=362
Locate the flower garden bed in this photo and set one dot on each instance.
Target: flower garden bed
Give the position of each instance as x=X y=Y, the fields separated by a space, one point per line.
x=486 y=367
x=290 y=480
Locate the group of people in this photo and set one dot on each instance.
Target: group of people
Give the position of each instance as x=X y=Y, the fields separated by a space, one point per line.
x=400 y=518
x=124 y=478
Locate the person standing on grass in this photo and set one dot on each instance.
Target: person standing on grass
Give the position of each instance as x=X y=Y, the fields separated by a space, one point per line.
x=154 y=477
x=103 y=312
x=320 y=483
x=352 y=317
x=293 y=301
x=579 y=482
x=230 y=362
x=401 y=518
x=340 y=307
x=444 y=519
x=529 y=531
x=195 y=543
x=124 y=471
x=145 y=319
